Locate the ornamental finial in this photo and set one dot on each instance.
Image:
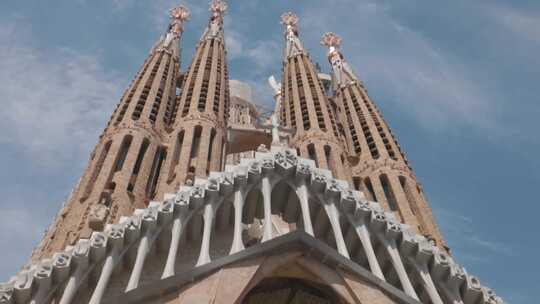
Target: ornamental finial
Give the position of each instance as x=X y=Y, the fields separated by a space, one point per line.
x=179 y=15
x=289 y=18
x=331 y=40
x=218 y=6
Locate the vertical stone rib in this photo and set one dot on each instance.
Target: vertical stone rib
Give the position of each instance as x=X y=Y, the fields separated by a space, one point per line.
x=373 y=145
x=202 y=157
x=203 y=106
x=110 y=186
x=305 y=103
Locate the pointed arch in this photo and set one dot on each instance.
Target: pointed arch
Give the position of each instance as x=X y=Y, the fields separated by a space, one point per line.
x=285 y=206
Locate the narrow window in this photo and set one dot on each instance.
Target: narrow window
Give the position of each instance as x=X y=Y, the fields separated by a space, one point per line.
x=123 y=153
x=357 y=181
x=389 y=193
x=138 y=164
x=329 y=159
x=369 y=187
x=140 y=156
x=160 y=155
x=176 y=154
x=97 y=170
x=312 y=154
x=209 y=158
x=196 y=142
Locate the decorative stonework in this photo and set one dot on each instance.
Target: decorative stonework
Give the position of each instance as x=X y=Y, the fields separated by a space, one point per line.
x=160 y=203
x=111 y=246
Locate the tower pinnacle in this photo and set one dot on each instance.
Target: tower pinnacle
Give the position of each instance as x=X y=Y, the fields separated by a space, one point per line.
x=215 y=26
x=343 y=73
x=294 y=45
x=179 y=15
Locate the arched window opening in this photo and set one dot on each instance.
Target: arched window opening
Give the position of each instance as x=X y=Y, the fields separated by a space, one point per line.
x=196 y=142
x=369 y=187
x=97 y=169
x=389 y=193
x=160 y=155
x=329 y=159
x=357 y=182
x=286 y=211
x=222 y=235
x=138 y=164
x=210 y=148
x=176 y=155
x=124 y=148
x=312 y=154
x=322 y=228
x=253 y=218
x=281 y=290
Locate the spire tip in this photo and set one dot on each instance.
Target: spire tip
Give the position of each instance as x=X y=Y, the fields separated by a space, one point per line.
x=289 y=18
x=331 y=39
x=218 y=6
x=180 y=13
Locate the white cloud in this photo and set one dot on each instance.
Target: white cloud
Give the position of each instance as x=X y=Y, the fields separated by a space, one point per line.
x=53 y=104
x=234 y=45
x=425 y=82
x=265 y=53
x=520 y=23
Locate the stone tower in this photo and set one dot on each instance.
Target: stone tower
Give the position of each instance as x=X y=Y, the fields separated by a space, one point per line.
x=380 y=168
x=306 y=107
x=189 y=200
x=200 y=119
x=123 y=169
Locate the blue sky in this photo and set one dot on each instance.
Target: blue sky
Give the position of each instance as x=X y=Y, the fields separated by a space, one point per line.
x=456 y=80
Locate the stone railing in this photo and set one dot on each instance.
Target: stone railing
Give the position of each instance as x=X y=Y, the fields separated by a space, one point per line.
x=253 y=202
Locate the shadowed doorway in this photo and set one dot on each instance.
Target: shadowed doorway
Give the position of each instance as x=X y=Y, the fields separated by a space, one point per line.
x=291 y=291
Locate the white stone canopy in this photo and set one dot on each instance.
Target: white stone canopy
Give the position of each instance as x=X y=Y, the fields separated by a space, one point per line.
x=277 y=193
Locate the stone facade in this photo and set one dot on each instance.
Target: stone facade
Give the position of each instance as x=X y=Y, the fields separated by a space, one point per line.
x=123 y=169
x=306 y=108
x=190 y=196
x=379 y=166
x=198 y=135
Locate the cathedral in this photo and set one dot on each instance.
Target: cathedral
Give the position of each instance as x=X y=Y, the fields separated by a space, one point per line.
x=194 y=195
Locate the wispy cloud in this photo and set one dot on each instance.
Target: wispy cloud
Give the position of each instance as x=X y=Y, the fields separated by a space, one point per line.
x=466 y=241
x=21 y=227
x=520 y=23
x=53 y=104
x=234 y=44
x=412 y=72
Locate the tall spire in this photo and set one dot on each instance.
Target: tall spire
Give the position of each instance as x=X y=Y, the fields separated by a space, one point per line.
x=293 y=44
x=380 y=169
x=200 y=120
x=305 y=106
x=343 y=74
x=123 y=169
x=179 y=15
x=215 y=24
